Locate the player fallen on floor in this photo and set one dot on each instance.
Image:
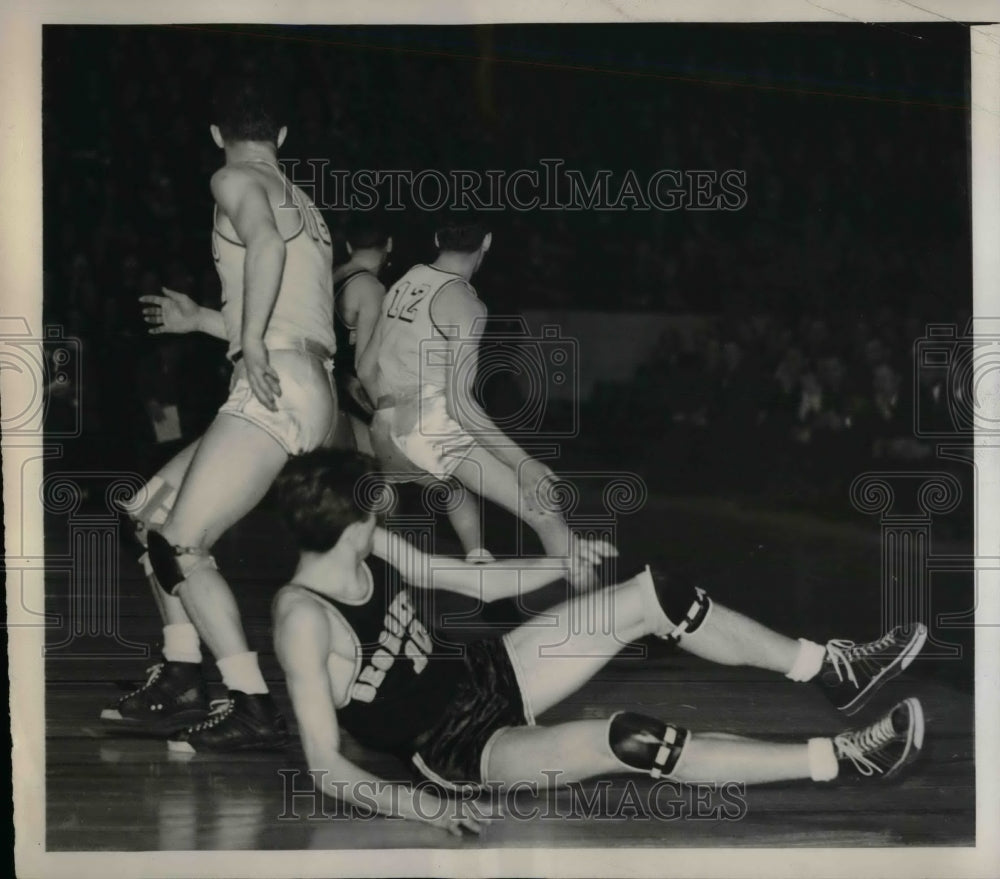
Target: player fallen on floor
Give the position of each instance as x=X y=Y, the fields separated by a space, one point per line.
x=356 y=654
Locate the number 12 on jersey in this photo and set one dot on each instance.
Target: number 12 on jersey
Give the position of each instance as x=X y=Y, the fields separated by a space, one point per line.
x=404 y=302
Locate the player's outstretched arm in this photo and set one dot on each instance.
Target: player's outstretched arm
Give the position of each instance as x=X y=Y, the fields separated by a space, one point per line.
x=176 y=312
x=302 y=640
x=490 y=582
x=244 y=200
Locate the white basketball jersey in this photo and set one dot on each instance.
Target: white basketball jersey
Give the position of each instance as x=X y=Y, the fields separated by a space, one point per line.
x=304 y=306
x=411 y=355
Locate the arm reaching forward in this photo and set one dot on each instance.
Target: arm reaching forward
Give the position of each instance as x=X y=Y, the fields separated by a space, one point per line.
x=491 y=582
x=176 y=312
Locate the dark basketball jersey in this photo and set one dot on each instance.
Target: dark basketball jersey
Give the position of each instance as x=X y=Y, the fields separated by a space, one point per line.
x=400 y=687
x=347 y=336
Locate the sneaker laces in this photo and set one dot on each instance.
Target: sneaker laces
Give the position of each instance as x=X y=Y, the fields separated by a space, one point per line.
x=856 y=744
x=219 y=710
x=841 y=652
x=152 y=673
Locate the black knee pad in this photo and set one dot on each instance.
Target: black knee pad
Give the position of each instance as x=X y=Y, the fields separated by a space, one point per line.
x=686 y=605
x=646 y=743
x=163 y=558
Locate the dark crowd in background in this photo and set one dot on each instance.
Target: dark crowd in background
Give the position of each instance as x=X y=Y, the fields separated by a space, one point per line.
x=854 y=237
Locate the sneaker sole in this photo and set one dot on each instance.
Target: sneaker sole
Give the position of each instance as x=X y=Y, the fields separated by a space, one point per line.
x=897 y=666
x=184 y=747
x=112 y=719
x=915 y=739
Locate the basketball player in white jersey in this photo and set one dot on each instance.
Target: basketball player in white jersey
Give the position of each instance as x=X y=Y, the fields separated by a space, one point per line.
x=420 y=369
x=274 y=256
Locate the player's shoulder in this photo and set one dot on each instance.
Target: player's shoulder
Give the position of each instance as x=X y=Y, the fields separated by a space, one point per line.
x=231 y=180
x=294 y=606
x=457 y=296
x=365 y=284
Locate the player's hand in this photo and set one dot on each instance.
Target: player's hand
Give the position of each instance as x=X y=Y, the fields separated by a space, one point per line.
x=459 y=816
x=173 y=312
x=359 y=394
x=586 y=555
x=530 y=476
x=263 y=379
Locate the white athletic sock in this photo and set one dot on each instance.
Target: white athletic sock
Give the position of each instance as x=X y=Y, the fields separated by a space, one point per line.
x=823 y=764
x=180 y=643
x=241 y=672
x=808 y=662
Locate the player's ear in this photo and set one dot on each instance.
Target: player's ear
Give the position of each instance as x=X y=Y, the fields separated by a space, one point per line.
x=388 y=244
x=350 y=250
x=437 y=244
x=487 y=241
x=282 y=134
x=217 y=136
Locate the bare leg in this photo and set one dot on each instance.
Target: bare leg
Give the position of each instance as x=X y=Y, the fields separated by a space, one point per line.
x=579 y=749
x=562 y=649
x=154 y=513
x=466 y=518
x=489 y=477
x=231 y=471
x=730 y=638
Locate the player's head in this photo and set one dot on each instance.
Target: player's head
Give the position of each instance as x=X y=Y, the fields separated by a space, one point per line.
x=367 y=232
x=246 y=109
x=322 y=496
x=463 y=232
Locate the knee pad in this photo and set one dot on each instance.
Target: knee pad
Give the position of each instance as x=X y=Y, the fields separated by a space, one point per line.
x=684 y=606
x=171 y=564
x=645 y=743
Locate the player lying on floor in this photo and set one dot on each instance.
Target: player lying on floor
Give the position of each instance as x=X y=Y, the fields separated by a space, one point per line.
x=356 y=654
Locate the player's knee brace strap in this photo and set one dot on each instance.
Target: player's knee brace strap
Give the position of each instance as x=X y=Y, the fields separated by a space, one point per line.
x=159 y=501
x=685 y=605
x=646 y=743
x=174 y=564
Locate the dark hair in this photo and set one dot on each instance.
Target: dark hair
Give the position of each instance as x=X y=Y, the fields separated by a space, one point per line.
x=321 y=493
x=461 y=231
x=364 y=230
x=247 y=108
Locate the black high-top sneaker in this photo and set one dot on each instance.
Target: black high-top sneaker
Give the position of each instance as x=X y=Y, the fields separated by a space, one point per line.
x=173 y=697
x=882 y=749
x=852 y=673
x=243 y=722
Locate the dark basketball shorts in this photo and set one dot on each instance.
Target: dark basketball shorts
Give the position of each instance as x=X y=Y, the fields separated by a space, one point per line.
x=454 y=753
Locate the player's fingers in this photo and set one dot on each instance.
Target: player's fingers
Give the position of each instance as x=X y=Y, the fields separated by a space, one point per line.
x=606 y=548
x=261 y=391
x=152 y=299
